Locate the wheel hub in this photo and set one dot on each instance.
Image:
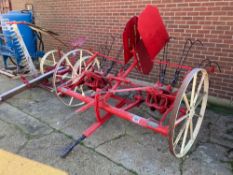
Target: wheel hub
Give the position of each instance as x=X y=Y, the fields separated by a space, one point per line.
x=192 y=112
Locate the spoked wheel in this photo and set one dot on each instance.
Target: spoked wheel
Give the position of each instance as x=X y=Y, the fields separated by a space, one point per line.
x=188 y=112
x=49 y=60
x=68 y=73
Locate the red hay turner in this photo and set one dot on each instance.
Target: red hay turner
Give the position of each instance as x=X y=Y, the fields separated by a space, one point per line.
x=80 y=80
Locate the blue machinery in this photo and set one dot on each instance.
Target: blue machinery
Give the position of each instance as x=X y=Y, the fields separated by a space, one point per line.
x=18 y=42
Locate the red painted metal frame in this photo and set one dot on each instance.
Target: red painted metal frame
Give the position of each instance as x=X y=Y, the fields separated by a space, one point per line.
x=163 y=94
x=143 y=38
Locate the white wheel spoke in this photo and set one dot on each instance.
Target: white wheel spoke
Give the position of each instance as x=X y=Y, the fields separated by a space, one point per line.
x=97 y=63
x=181 y=119
x=199 y=88
x=185 y=136
x=179 y=135
x=69 y=63
x=54 y=61
x=198 y=115
x=64 y=76
x=64 y=84
x=72 y=98
x=80 y=61
x=199 y=100
x=191 y=128
x=59 y=93
x=186 y=101
x=82 y=92
x=193 y=89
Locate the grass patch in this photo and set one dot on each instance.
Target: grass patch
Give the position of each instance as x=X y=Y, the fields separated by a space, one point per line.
x=220 y=109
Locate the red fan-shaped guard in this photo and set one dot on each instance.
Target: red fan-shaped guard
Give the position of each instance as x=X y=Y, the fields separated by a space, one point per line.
x=130 y=38
x=147 y=39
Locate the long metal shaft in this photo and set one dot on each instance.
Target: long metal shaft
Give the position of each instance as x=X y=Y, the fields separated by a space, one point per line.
x=6 y=95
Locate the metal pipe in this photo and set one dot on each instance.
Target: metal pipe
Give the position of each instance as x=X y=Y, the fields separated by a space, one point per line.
x=6 y=95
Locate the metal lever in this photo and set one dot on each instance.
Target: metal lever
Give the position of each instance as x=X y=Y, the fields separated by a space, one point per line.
x=71 y=146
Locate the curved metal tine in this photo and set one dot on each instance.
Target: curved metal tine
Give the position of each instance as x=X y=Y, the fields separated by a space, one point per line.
x=101 y=50
x=219 y=68
x=185 y=51
x=192 y=44
x=185 y=54
x=120 y=51
x=161 y=66
x=182 y=57
x=109 y=48
x=198 y=41
x=106 y=44
x=111 y=45
x=203 y=61
x=166 y=57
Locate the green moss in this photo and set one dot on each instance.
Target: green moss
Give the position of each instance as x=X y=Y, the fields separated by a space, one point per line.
x=231 y=162
x=220 y=109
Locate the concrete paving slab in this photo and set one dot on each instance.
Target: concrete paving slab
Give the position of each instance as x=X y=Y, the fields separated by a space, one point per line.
x=146 y=154
x=11 y=138
x=207 y=159
x=11 y=83
x=26 y=123
x=82 y=161
x=222 y=131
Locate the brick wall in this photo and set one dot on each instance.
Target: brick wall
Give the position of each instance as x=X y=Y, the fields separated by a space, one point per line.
x=19 y=4
x=210 y=21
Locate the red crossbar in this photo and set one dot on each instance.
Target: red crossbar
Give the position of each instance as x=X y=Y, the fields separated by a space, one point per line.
x=119 y=113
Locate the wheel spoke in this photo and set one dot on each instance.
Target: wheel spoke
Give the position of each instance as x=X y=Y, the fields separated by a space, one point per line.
x=80 y=61
x=191 y=128
x=64 y=84
x=193 y=89
x=186 y=101
x=82 y=92
x=54 y=61
x=199 y=100
x=185 y=136
x=179 y=135
x=97 y=63
x=199 y=88
x=72 y=98
x=64 y=76
x=198 y=115
x=181 y=119
x=69 y=63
